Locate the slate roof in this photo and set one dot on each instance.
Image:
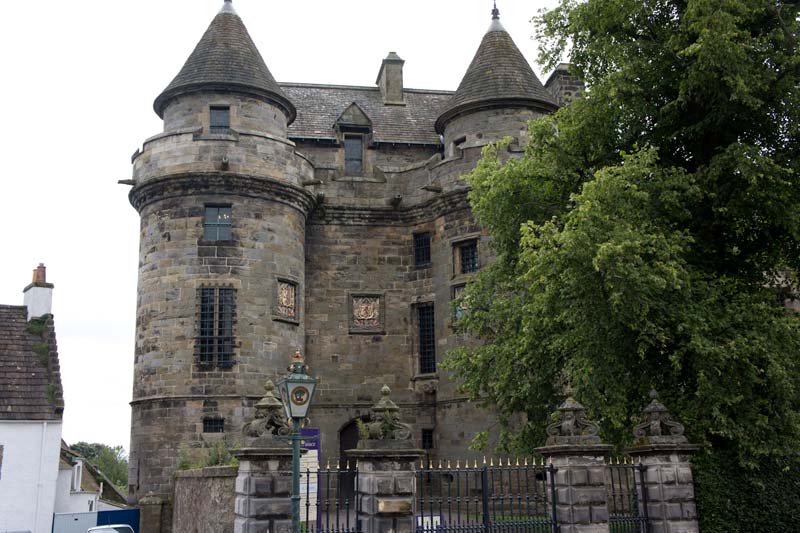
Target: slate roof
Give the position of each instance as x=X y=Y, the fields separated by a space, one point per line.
x=498 y=74
x=226 y=59
x=30 y=384
x=319 y=106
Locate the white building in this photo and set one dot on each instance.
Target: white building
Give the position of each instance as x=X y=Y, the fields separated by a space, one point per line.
x=31 y=405
x=82 y=487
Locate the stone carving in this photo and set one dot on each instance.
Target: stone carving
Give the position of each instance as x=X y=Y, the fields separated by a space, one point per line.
x=366 y=312
x=270 y=420
x=384 y=423
x=572 y=427
x=658 y=427
x=287 y=299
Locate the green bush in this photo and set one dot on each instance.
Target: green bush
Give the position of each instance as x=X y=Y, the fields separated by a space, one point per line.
x=731 y=499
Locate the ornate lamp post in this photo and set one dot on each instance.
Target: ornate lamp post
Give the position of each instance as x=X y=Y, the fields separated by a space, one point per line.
x=297 y=390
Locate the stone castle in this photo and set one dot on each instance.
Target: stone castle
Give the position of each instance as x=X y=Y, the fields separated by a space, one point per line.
x=332 y=220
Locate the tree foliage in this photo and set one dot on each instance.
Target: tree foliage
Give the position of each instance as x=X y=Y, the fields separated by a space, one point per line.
x=112 y=461
x=650 y=234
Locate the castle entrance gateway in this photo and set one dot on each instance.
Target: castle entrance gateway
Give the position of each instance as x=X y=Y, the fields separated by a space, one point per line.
x=348 y=440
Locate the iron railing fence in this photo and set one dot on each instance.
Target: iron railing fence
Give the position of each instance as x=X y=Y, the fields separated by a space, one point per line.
x=327 y=501
x=627 y=508
x=510 y=497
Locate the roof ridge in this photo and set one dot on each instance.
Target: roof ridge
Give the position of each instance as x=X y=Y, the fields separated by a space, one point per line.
x=358 y=87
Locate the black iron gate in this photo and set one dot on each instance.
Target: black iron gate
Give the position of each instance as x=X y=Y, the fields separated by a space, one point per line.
x=486 y=499
x=327 y=500
x=627 y=504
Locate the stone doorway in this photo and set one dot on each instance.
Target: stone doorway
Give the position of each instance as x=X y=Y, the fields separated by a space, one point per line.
x=348 y=440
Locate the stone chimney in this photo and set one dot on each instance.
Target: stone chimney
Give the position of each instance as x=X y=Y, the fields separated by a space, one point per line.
x=390 y=80
x=563 y=85
x=39 y=294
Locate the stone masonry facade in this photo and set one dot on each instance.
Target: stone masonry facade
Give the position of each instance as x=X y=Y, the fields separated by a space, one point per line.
x=323 y=219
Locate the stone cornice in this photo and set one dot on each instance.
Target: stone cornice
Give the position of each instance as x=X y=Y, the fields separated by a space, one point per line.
x=220 y=183
x=317 y=404
x=388 y=216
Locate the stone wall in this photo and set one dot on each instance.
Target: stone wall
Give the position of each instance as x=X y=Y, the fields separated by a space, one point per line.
x=267 y=246
x=480 y=128
x=204 y=500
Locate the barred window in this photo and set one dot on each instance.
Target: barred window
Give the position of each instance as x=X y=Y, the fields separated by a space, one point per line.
x=353 y=155
x=220 y=119
x=427 y=439
x=217 y=223
x=217 y=314
x=213 y=425
x=422 y=249
x=427 y=339
x=465 y=257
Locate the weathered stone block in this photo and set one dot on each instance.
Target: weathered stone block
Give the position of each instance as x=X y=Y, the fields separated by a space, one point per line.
x=673 y=511
x=249 y=525
x=685 y=475
x=581 y=515
x=678 y=493
x=404 y=484
x=597 y=475
x=599 y=513
x=579 y=476
x=282 y=526
x=270 y=507
x=282 y=485
x=396 y=505
x=261 y=486
x=384 y=485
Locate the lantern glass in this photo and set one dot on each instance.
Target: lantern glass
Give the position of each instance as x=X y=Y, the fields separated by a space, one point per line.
x=297 y=391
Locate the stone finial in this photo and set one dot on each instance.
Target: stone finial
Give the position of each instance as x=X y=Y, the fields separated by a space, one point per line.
x=385 y=403
x=270 y=420
x=572 y=427
x=495 y=12
x=658 y=427
x=384 y=423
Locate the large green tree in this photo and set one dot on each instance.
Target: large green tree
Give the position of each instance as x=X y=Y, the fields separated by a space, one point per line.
x=112 y=461
x=649 y=237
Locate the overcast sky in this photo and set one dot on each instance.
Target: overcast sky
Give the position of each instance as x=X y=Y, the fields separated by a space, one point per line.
x=78 y=83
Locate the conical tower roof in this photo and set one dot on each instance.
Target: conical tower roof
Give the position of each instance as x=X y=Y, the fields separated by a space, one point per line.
x=226 y=59
x=498 y=76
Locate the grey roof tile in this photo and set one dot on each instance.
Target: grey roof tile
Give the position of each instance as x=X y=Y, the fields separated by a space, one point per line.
x=319 y=106
x=225 y=59
x=498 y=74
x=29 y=389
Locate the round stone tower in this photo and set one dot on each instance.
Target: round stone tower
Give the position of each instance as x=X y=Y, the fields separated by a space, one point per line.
x=222 y=259
x=497 y=97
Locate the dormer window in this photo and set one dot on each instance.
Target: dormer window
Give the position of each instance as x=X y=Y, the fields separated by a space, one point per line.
x=353 y=155
x=220 y=119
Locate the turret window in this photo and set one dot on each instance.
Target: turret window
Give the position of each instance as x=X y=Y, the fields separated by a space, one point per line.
x=465 y=257
x=215 y=340
x=220 y=119
x=213 y=425
x=217 y=223
x=422 y=249
x=353 y=155
x=427 y=339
